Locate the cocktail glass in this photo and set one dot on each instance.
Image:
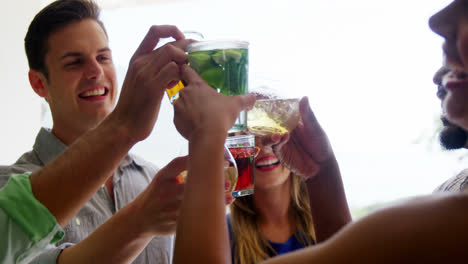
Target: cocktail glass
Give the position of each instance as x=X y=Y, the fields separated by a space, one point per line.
x=224 y=66
x=243 y=150
x=270 y=116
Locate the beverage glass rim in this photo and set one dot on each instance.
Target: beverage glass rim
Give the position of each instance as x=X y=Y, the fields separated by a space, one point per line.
x=204 y=45
x=279 y=98
x=239 y=137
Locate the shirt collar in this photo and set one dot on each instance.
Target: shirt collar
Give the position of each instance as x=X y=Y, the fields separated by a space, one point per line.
x=131 y=158
x=48 y=147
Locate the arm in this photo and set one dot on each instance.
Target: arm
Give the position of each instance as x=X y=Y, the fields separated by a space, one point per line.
x=425 y=230
x=203 y=204
x=70 y=175
x=327 y=200
x=22 y=240
x=203 y=117
x=153 y=213
x=308 y=153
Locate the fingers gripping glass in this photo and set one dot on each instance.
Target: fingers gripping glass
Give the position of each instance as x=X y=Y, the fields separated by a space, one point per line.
x=223 y=64
x=230 y=172
x=173 y=92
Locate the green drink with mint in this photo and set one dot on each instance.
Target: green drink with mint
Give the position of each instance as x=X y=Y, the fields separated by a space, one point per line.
x=224 y=66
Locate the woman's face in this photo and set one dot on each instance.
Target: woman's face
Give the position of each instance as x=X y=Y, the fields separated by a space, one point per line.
x=452 y=24
x=269 y=172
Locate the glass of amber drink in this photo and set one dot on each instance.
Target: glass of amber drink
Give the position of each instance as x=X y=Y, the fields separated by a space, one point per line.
x=270 y=116
x=243 y=151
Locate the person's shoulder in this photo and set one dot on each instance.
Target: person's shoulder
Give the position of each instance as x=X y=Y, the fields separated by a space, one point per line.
x=26 y=163
x=454 y=184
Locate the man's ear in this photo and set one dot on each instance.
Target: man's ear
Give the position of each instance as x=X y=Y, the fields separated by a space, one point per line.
x=37 y=81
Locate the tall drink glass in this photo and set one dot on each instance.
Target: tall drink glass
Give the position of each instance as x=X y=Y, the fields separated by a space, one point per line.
x=224 y=65
x=243 y=151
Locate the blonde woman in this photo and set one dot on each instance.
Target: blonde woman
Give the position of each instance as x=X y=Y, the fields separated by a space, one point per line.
x=288 y=211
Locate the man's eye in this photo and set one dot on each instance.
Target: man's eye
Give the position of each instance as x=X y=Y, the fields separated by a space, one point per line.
x=74 y=62
x=104 y=58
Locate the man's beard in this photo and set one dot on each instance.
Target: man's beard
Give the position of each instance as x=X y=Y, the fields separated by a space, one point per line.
x=453 y=137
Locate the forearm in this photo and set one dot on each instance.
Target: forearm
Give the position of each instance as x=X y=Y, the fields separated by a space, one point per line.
x=119 y=240
x=80 y=170
x=403 y=233
x=329 y=207
x=203 y=205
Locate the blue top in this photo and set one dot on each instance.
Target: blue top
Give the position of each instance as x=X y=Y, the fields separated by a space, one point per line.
x=290 y=245
x=281 y=248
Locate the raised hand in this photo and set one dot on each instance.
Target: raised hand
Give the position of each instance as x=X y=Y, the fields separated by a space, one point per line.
x=201 y=108
x=149 y=73
x=158 y=206
x=306 y=148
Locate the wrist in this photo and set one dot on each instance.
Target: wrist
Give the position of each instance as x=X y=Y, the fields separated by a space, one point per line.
x=326 y=167
x=207 y=133
x=118 y=130
x=137 y=219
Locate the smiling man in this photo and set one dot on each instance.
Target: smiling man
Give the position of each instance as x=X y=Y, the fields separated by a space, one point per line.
x=133 y=215
x=78 y=81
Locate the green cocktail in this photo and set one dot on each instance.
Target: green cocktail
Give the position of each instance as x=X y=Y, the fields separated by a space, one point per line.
x=224 y=65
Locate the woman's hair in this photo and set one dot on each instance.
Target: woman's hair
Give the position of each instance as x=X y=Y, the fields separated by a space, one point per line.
x=250 y=245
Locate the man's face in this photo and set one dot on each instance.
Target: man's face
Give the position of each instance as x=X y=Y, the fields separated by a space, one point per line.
x=452 y=24
x=451 y=136
x=81 y=86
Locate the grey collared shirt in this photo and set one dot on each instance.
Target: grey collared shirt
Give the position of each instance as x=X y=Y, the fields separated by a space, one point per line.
x=130 y=178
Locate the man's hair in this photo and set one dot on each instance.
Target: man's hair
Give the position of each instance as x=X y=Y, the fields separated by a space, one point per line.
x=53 y=17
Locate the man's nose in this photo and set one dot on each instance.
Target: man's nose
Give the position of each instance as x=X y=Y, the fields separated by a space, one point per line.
x=94 y=70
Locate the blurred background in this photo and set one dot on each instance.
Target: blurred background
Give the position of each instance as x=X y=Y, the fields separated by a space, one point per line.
x=365 y=65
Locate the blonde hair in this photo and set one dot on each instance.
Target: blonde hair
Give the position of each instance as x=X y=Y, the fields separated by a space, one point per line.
x=250 y=245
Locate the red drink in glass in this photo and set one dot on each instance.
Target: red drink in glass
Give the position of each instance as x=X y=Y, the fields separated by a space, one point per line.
x=244 y=157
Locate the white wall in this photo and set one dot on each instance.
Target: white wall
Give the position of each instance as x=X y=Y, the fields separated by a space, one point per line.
x=17 y=99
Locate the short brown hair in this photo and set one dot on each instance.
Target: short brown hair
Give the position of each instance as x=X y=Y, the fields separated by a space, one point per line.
x=53 y=17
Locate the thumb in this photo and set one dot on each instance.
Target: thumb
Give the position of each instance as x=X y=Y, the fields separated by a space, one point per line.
x=246 y=101
x=189 y=75
x=174 y=168
x=307 y=115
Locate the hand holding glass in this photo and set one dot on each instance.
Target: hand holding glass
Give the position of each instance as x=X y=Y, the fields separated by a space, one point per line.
x=224 y=66
x=230 y=171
